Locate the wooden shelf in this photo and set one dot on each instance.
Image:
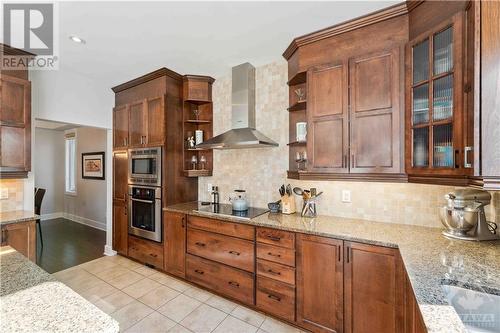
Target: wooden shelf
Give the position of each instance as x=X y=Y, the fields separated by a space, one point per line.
x=299 y=106
x=197 y=149
x=297 y=143
x=194 y=121
x=197 y=102
x=361 y=177
x=298 y=78
x=197 y=173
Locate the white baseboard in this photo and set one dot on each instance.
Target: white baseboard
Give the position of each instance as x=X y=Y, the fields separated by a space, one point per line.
x=108 y=251
x=86 y=221
x=51 y=216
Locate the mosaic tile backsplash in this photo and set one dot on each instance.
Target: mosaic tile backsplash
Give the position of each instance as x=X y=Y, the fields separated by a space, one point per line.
x=15 y=195
x=261 y=171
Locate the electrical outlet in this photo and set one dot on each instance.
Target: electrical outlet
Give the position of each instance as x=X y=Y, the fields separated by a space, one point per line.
x=4 y=193
x=346 y=196
x=209 y=187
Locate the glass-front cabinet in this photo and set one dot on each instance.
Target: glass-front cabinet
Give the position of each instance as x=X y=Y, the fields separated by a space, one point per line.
x=435 y=116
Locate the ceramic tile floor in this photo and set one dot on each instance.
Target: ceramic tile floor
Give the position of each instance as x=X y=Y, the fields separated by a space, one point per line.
x=144 y=300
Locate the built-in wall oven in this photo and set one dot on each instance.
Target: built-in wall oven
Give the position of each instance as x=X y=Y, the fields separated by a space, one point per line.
x=144 y=210
x=145 y=166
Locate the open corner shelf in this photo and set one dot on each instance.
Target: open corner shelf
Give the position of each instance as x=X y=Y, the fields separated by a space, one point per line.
x=299 y=106
x=197 y=173
x=297 y=143
x=298 y=78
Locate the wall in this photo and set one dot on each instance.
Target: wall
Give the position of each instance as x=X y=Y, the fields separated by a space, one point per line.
x=49 y=169
x=15 y=190
x=262 y=171
x=89 y=203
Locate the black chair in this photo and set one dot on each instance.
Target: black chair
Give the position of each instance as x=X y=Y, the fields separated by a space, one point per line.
x=39 y=194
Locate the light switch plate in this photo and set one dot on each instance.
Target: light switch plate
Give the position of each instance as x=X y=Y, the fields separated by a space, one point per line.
x=346 y=196
x=4 y=193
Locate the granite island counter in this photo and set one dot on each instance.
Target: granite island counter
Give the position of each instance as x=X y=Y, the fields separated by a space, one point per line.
x=429 y=258
x=31 y=300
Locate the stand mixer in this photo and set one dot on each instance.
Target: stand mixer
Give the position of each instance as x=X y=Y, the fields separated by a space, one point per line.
x=464 y=216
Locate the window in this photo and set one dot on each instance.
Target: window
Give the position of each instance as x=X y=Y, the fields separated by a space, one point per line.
x=70 y=163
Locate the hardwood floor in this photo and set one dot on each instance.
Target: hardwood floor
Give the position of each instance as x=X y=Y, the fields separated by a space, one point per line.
x=67 y=244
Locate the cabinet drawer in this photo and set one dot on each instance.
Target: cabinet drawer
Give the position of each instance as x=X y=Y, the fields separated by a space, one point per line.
x=277 y=254
x=276 y=271
x=222 y=227
x=231 y=251
x=145 y=251
x=225 y=280
x=276 y=237
x=276 y=298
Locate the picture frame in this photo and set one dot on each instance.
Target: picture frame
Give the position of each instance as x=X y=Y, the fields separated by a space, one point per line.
x=93 y=165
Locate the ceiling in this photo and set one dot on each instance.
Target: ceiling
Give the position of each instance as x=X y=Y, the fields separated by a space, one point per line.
x=128 y=39
x=53 y=125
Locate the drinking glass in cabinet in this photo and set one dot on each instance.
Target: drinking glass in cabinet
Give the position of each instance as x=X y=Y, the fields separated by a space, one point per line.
x=203 y=162
x=194 y=161
x=421 y=147
x=421 y=104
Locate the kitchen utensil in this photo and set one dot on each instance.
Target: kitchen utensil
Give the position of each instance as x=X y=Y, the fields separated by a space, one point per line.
x=288 y=204
x=313 y=191
x=239 y=201
x=282 y=190
x=274 y=207
x=298 y=191
x=289 y=190
x=309 y=208
x=464 y=216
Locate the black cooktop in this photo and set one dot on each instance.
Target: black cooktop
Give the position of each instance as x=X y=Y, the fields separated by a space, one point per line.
x=225 y=209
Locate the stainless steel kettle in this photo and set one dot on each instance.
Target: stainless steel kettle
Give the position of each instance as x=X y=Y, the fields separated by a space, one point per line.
x=239 y=201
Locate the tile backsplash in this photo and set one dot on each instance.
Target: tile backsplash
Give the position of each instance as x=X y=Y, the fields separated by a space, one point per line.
x=14 y=188
x=261 y=171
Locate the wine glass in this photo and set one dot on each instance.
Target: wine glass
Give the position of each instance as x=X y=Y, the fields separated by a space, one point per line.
x=298 y=159
x=194 y=161
x=196 y=113
x=203 y=161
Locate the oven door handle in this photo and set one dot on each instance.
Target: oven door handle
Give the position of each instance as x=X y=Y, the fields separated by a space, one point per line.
x=140 y=200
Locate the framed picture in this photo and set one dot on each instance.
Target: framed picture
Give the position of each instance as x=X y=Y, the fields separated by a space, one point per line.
x=93 y=165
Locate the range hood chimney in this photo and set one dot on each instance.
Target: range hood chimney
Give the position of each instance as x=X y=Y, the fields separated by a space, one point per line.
x=243 y=133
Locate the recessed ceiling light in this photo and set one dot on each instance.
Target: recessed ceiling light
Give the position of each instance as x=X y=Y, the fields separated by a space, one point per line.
x=77 y=39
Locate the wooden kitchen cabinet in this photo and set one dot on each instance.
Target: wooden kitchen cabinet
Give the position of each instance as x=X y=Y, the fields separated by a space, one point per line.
x=146 y=124
x=319 y=283
x=22 y=237
x=120 y=127
x=120 y=203
x=328 y=118
x=15 y=127
x=174 y=236
x=412 y=316
x=137 y=124
x=373 y=289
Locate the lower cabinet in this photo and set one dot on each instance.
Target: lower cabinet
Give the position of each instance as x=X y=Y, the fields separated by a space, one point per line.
x=319 y=283
x=22 y=237
x=145 y=251
x=413 y=319
x=120 y=228
x=373 y=289
x=174 y=237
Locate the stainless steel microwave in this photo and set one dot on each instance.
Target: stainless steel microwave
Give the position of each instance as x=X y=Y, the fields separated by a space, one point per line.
x=145 y=166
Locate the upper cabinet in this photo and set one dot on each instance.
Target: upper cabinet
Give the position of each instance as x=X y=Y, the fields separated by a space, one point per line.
x=15 y=120
x=351 y=93
x=436 y=115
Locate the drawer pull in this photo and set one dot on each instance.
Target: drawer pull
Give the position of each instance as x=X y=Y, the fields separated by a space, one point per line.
x=270 y=271
x=200 y=244
x=234 y=284
x=153 y=255
x=274 y=238
x=235 y=253
x=276 y=298
x=199 y=272
x=274 y=255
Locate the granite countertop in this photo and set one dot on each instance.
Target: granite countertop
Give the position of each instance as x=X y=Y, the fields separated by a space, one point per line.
x=17 y=216
x=430 y=259
x=31 y=300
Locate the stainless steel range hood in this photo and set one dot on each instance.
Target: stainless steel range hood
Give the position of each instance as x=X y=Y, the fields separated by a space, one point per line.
x=243 y=133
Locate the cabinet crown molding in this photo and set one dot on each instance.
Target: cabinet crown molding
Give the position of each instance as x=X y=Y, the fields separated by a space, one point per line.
x=356 y=23
x=203 y=78
x=147 y=77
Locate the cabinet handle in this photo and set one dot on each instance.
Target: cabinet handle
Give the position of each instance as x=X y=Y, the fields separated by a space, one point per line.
x=274 y=255
x=182 y=223
x=199 y=272
x=352 y=160
x=339 y=253
x=200 y=244
x=234 y=284
x=276 y=298
x=347 y=254
x=270 y=271
x=274 y=238
x=153 y=255
x=344 y=161
x=456 y=159
x=466 y=157
x=235 y=253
